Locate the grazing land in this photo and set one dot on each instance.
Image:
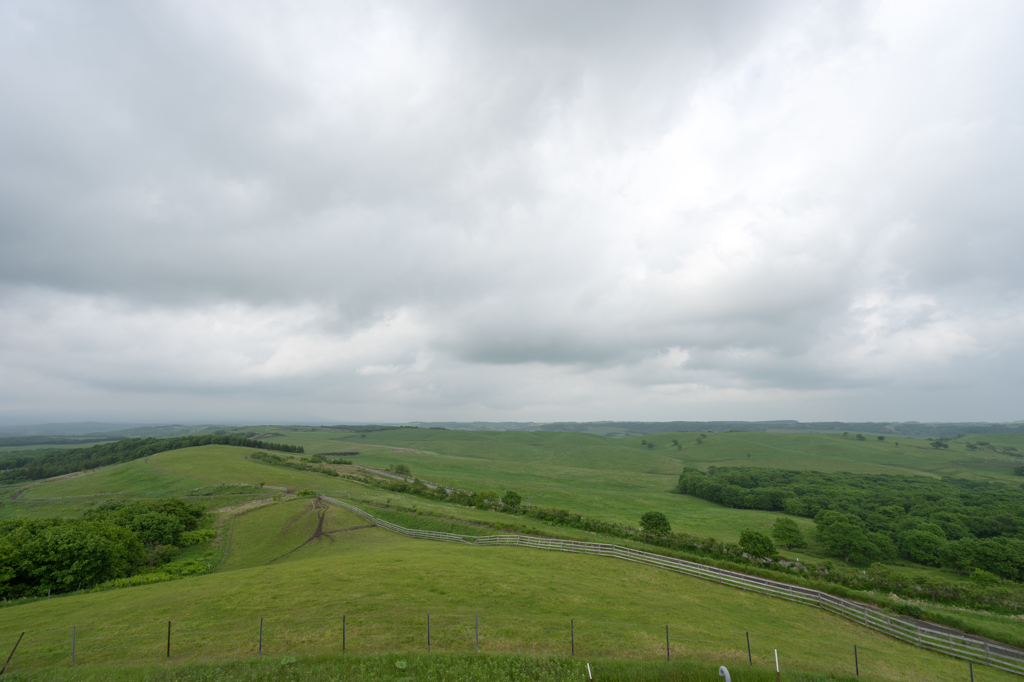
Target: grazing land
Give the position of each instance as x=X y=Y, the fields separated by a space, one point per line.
x=279 y=568
x=286 y=557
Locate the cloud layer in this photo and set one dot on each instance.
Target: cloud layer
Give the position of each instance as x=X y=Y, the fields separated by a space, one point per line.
x=377 y=211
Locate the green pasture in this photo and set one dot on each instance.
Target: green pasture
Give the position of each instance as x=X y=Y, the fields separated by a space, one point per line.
x=138 y=478
x=421 y=667
x=385 y=585
x=620 y=479
x=284 y=531
x=825 y=452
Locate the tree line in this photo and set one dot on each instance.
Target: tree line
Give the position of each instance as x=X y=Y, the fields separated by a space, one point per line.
x=963 y=525
x=31 y=467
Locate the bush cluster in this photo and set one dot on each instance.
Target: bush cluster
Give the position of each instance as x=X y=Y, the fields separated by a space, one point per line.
x=307 y=465
x=960 y=524
x=113 y=540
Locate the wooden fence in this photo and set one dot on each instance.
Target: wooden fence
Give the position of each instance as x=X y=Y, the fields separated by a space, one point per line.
x=944 y=640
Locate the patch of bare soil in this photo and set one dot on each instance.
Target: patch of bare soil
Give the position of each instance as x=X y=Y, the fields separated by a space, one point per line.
x=299 y=516
x=319 y=532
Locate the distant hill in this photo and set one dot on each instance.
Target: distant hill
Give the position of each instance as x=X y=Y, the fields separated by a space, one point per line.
x=99 y=430
x=623 y=429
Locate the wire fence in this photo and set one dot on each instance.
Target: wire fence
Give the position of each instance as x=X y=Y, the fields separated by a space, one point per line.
x=188 y=641
x=945 y=640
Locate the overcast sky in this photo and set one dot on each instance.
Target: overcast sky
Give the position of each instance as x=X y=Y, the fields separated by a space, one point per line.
x=532 y=211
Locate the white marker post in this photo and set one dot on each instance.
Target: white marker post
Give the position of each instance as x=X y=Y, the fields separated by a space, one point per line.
x=776 y=665
x=590 y=675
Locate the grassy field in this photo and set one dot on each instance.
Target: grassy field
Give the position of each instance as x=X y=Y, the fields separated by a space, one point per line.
x=422 y=667
x=618 y=479
x=610 y=479
x=385 y=585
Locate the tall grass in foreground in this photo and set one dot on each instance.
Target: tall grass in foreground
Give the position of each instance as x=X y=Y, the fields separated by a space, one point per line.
x=421 y=668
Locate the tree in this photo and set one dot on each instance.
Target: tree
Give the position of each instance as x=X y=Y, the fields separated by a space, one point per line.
x=757 y=544
x=512 y=499
x=655 y=522
x=959 y=555
x=938 y=444
x=860 y=436
x=982 y=577
x=844 y=536
x=880 y=437
x=37 y=555
x=922 y=547
x=788 y=533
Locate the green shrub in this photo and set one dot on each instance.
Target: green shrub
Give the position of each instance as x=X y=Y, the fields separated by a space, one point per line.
x=195 y=537
x=655 y=522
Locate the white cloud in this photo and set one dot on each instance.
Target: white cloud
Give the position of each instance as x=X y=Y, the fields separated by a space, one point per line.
x=391 y=211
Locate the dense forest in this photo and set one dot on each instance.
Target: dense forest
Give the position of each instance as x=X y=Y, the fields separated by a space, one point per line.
x=964 y=525
x=30 y=466
x=112 y=541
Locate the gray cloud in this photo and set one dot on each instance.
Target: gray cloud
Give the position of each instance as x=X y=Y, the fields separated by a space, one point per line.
x=455 y=210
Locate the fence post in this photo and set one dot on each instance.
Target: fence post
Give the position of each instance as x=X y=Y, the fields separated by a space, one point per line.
x=12 y=653
x=476 y=623
x=572 y=637
x=72 y=646
x=668 y=654
x=856 y=663
x=970 y=667
x=749 y=657
x=260 y=652
x=343 y=634
x=168 y=639
x=428 y=632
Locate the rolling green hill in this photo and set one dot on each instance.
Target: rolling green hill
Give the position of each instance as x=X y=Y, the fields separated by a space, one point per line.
x=301 y=583
x=610 y=479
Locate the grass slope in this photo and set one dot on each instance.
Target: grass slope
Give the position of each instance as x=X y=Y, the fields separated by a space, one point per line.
x=620 y=479
x=385 y=585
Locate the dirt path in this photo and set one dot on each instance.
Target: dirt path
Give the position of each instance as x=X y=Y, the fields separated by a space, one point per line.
x=319 y=532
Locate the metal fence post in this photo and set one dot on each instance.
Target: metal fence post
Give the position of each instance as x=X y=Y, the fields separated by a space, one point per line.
x=668 y=655
x=72 y=646
x=12 y=653
x=168 y=639
x=428 y=632
x=856 y=663
x=476 y=622
x=260 y=652
x=749 y=657
x=572 y=637
x=343 y=634
x=970 y=667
